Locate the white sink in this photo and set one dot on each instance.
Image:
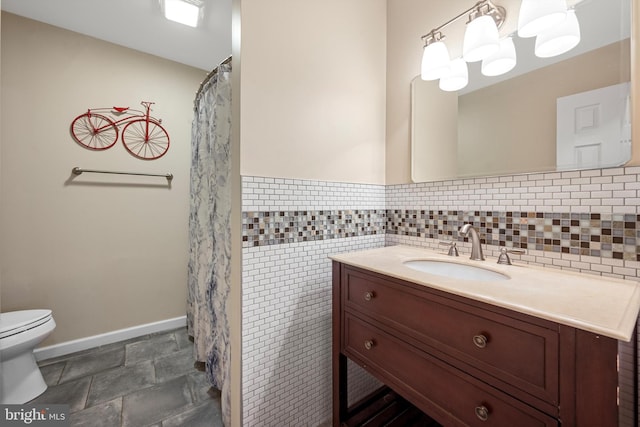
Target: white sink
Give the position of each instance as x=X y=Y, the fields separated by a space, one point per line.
x=455 y=270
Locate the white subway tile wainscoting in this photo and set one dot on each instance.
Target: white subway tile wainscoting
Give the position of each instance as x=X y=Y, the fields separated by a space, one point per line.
x=586 y=221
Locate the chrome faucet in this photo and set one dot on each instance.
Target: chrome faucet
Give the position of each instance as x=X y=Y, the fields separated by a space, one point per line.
x=476 y=247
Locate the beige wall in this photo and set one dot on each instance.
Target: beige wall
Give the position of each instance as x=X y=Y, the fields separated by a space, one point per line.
x=313 y=89
x=103 y=252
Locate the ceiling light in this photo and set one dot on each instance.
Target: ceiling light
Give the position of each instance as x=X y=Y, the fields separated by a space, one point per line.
x=559 y=39
x=187 y=12
x=502 y=61
x=537 y=16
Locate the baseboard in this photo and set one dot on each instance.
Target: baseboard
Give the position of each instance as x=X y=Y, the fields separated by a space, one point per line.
x=73 y=346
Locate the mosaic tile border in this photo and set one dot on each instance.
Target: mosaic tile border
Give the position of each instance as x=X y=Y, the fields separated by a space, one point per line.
x=263 y=228
x=614 y=236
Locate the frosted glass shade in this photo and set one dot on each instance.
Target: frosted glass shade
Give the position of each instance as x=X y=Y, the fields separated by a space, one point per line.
x=184 y=12
x=457 y=77
x=435 y=61
x=502 y=61
x=537 y=16
x=559 y=39
x=481 y=39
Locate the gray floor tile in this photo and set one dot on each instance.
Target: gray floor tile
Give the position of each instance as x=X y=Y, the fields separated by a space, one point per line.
x=72 y=393
x=154 y=346
x=108 y=414
x=51 y=373
x=205 y=414
x=182 y=338
x=174 y=365
x=92 y=363
x=157 y=384
x=120 y=381
x=200 y=387
x=156 y=403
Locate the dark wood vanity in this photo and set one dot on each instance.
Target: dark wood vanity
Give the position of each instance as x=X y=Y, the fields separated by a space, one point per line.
x=464 y=362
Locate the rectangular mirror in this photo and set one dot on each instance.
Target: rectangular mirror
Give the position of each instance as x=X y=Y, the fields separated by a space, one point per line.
x=562 y=113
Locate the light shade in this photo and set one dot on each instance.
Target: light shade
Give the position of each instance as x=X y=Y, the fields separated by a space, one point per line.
x=502 y=61
x=537 y=16
x=481 y=39
x=457 y=77
x=559 y=39
x=435 y=61
x=185 y=12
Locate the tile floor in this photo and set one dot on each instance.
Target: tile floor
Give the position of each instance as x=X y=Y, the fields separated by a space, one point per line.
x=146 y=381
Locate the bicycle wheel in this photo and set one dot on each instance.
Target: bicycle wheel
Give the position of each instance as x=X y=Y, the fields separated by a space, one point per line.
x=94 y=131
x=145 y=144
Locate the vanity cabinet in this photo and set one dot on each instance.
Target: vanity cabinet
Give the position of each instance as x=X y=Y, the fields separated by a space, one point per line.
x=465 y=362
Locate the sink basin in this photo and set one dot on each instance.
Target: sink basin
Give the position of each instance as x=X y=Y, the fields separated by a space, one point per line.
x=455 y=271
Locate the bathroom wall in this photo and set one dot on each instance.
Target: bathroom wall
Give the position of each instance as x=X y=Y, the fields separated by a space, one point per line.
x=313 y=89
x=103 y=252
x=312 y=159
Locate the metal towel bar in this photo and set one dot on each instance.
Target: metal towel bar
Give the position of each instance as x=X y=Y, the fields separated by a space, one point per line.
x=78 y=171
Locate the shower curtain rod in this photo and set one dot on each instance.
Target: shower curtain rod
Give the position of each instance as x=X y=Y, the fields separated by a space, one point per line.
x=211 y=74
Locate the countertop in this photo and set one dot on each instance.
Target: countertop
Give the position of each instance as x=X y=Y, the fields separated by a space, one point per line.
x=601 y=305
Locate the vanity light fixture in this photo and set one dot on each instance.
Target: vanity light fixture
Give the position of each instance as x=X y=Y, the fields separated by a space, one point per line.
x=502 y=61
x=187 y=12
x=537 y=16
x=481 y=37
x=560 y=38
x=435 y=58
x=481 y=40
x=457 y=76
x=555 y=27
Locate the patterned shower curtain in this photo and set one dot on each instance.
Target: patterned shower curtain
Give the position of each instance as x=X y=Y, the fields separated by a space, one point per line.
x=209 y=230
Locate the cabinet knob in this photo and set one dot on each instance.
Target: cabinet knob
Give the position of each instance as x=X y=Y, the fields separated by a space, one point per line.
x=368 y=296
x=482 y=412
x=480 y=340
x=368 y=344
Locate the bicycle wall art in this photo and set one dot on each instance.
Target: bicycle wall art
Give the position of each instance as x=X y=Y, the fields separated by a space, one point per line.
x=142 y=135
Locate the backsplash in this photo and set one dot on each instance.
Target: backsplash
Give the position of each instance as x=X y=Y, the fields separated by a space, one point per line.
x=585 y=221
x=592 y=234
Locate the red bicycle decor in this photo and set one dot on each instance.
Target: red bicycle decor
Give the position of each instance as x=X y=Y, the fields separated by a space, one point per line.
x=143 y=136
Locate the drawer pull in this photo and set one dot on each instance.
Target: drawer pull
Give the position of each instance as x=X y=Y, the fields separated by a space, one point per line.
x=369 y=296
x=368 y=344
x=482 y=412
x=480 y=341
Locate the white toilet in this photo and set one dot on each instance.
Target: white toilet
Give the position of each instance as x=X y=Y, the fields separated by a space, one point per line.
x=20 y=333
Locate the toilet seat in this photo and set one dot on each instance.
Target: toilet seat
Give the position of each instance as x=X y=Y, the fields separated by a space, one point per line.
x=15 y=322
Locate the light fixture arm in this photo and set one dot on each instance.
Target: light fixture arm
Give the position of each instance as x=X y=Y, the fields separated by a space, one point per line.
x=498 y=13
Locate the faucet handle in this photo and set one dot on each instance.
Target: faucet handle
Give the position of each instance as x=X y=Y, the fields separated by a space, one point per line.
x=504 y=255
x=453 y=249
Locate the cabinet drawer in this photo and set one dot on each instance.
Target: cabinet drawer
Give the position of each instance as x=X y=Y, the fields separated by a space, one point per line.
x=521 y=354
x=434 y=386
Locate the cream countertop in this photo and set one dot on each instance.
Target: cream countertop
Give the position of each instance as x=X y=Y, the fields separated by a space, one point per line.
x=596 y=304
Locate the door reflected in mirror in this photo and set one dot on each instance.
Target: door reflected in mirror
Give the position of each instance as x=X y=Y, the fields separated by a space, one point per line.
x=564 y=113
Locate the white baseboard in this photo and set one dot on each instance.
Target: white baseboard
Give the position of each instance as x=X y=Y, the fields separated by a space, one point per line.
x=73 y=346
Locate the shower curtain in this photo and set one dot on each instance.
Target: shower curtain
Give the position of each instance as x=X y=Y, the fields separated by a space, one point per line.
x=209 y=230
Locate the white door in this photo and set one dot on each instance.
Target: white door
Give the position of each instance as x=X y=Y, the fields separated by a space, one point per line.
x=594 y=128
